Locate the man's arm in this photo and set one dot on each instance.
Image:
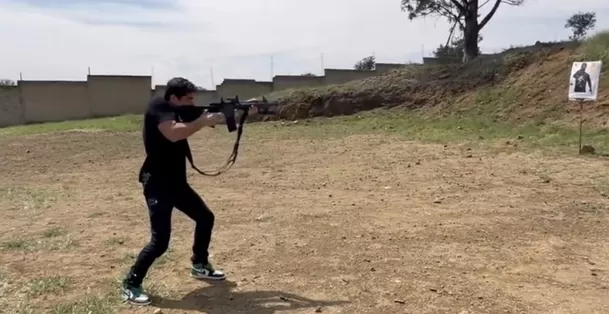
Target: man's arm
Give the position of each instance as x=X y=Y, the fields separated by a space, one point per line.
x=165 y=118
x=176 y=131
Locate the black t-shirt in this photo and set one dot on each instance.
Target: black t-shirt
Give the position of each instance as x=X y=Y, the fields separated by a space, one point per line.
x=165 y=160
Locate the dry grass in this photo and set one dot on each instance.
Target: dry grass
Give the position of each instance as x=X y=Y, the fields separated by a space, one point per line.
x=477 y=204
x=312 y=218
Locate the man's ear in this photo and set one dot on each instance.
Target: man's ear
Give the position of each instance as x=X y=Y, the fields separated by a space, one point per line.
x=173 y=98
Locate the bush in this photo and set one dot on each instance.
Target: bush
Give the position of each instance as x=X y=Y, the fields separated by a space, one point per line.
x=597 y=48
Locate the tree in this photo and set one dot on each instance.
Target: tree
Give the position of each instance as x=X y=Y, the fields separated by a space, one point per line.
x=308 y=74
x=367 y=63
x=462 y=13
x=580 y=23
x=7 y=82
x=454 y=50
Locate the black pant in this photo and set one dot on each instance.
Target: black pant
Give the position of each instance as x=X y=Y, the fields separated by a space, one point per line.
x=161 y=200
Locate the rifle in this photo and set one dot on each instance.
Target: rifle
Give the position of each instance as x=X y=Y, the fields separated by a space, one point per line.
x=229 y=108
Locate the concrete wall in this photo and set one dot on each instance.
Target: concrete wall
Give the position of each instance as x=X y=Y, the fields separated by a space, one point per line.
x=45 y=101
x=203 y=97
x=439 y=61
x=113 y=95
x=281 y=82
x=386 y=67
x=243 y=88
x=339 y=76
x=11 y=111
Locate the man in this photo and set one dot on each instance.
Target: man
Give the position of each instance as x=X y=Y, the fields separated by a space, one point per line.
x=582 y=79
x=163 y=177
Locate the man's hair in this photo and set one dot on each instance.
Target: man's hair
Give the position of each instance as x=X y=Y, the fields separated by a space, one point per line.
x=179 y=87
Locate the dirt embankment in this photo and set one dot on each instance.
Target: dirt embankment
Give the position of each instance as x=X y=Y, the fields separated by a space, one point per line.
x=528 y=82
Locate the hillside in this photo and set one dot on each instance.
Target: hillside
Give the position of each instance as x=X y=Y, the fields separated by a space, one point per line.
x=528 y=83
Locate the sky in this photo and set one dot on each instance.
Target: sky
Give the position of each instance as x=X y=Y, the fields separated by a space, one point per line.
x=210 y=40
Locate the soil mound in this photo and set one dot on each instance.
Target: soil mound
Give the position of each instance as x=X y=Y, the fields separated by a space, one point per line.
x=533 y=77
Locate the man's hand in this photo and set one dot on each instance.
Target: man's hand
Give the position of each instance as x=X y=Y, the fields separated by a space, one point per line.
x=211 y=119
x=253 y=110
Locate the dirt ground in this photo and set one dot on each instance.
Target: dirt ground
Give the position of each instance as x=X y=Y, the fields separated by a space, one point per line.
x=363 y=224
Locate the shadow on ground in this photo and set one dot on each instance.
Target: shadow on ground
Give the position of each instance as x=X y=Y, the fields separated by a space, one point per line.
x=220 y=298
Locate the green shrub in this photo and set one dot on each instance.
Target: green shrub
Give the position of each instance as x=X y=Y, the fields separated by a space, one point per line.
x=596 y=48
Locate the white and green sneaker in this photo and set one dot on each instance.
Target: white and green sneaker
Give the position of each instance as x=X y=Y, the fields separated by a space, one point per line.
x=201 y=271
x=135 y=295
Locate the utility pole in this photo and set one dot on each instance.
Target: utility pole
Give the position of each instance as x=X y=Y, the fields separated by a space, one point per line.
x=322 y=63
x=211 y=76
x=272 y=67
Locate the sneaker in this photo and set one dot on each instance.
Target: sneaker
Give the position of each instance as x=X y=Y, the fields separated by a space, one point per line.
x=201 y=271
x=135 y=295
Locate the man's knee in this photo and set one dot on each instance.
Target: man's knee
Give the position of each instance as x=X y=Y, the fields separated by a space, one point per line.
x=158 y=245
x=202 y=212
x=206 y=217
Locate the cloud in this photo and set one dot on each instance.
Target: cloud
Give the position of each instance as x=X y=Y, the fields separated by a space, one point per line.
x=92 y=6
x=59 y=40
x=142 y=13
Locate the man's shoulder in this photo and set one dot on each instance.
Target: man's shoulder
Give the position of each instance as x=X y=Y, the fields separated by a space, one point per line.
x=158 y=110
x=158 y=103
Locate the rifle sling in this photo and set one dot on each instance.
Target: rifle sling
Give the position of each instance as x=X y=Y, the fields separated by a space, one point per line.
x=231 y=159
